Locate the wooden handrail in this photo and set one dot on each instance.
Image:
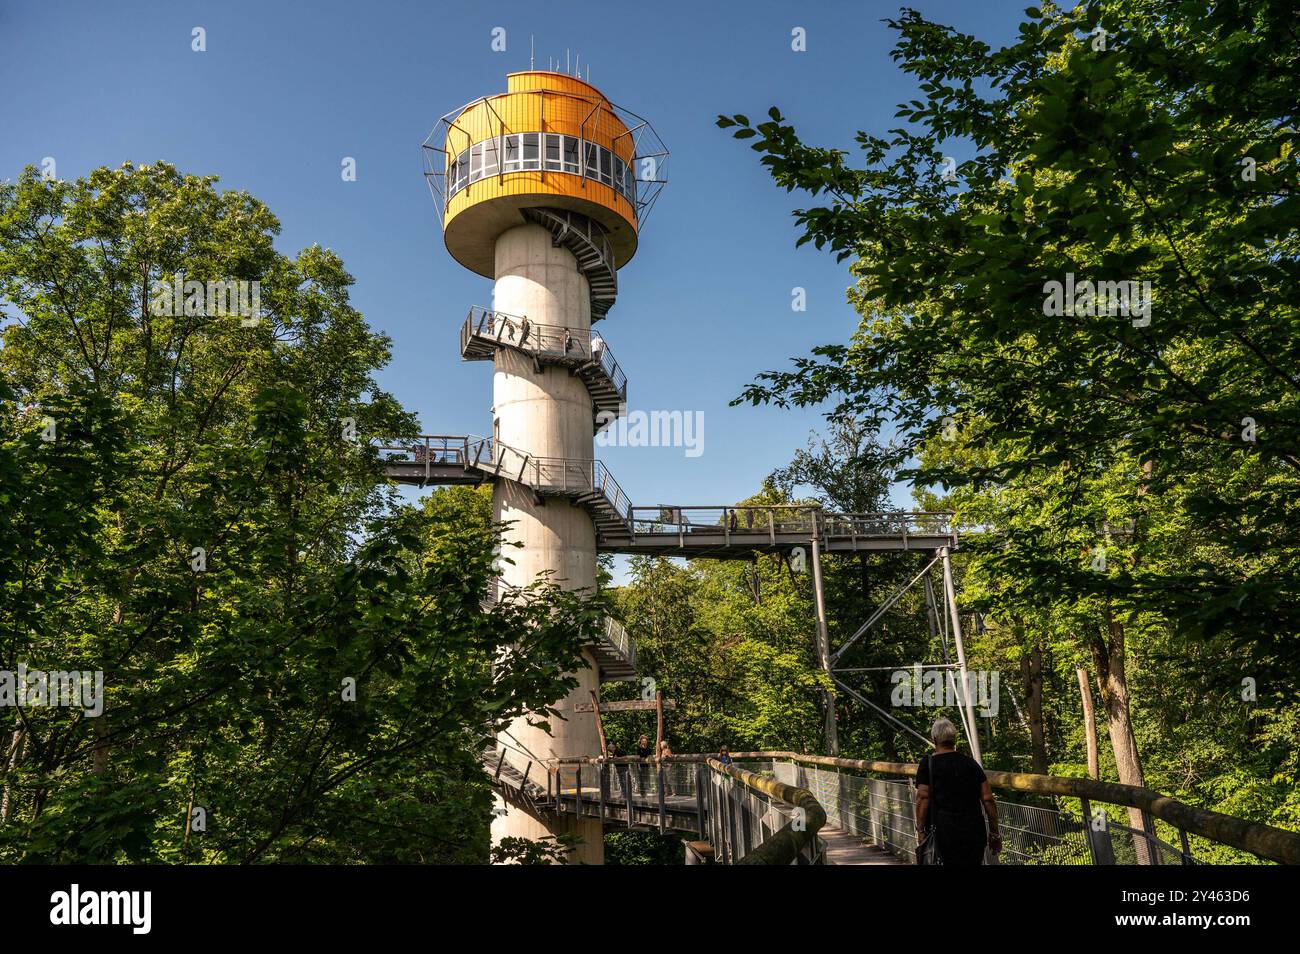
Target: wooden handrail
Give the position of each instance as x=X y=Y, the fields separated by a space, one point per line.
x=1264 y=841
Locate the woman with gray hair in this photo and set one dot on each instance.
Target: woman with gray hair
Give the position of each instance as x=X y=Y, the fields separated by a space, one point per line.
x=953 y=799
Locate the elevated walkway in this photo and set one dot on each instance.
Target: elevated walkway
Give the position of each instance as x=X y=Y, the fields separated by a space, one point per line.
x=694 y=531
x=787 y=808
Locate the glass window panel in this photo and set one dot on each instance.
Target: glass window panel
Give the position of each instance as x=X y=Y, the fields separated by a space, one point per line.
x=605 y=166
x=570 y=154
x=553 y=151
x=476 y=162
x=593 y=160
x=490 y=158
x=512 y=153
x=532 y=153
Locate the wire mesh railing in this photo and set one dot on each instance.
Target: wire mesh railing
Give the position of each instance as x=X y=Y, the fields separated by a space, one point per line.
x=889 y=524
x=665 y=519
x=785 y=520
x=1060 y=831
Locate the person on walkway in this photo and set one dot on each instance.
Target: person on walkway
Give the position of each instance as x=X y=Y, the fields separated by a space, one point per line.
x=568 y=341
x=524 y=326
x=643 y=751
x=724 y=756
x=953 y=800
x=666 y=753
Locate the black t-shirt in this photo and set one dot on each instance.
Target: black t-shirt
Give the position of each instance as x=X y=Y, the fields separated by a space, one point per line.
x=956 y=783
x=643 y=751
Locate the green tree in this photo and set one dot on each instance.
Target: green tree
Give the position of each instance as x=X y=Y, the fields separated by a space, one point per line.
x=296 y=667
x=1109 y=143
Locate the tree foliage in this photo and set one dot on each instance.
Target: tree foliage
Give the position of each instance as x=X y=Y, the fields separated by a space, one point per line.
x=296 y=667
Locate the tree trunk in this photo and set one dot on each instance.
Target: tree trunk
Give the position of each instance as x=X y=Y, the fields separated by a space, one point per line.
x=14 y=756
x=1108 y=655
x=1089 y=722
x=1031 y=672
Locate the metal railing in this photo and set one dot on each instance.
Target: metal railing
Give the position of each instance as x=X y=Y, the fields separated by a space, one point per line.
x=1067 y=825
x=891 y=524
x=748 y=818
x=645 y=780
x=788 y=519
x=434 y=448
x=576 y=476
x=522 y=772
x=753 y=819
x=571 y=475
x=620 y=640
x=666 y=519
x=540 y=339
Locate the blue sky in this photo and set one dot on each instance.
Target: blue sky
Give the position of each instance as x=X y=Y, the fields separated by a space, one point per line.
x=286 y=90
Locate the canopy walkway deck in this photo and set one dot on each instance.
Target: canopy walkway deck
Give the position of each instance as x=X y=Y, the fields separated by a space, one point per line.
x=786 y=808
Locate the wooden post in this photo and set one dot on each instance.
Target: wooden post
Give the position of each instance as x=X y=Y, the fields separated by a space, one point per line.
x=600 y=726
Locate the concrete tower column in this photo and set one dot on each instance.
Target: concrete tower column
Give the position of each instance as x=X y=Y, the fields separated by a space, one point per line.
x=545 y=413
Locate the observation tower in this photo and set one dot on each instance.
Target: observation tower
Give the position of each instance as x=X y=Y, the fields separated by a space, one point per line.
x=544 y=189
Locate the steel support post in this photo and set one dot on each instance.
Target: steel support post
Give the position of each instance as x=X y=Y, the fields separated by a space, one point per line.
x=950 y=596
x=823 y=639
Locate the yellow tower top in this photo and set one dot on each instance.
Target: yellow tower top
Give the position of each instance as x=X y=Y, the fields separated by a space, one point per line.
x=552 y=142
